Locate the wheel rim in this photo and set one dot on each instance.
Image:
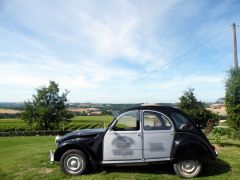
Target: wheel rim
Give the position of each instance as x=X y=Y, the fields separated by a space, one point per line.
x=190 y=167
x=73 y=163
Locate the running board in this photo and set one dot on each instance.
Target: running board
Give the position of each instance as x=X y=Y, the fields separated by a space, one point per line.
x=135 y=161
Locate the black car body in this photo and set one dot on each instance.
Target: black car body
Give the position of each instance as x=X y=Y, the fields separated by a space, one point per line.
x=142 y=134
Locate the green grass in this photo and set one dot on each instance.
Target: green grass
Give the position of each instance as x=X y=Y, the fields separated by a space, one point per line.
x=78 y=122
x=28 y=158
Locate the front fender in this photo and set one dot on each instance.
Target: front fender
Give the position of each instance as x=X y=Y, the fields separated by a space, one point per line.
x=80 y=145
x=191 y=146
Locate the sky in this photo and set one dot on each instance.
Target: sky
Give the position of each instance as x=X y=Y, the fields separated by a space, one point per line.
x=116 y=51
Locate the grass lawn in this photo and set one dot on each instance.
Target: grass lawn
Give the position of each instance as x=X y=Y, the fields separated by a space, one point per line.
x=28 y=158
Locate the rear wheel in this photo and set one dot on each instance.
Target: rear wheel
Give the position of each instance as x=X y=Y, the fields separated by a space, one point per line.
x=73 y=162
x=188 y=168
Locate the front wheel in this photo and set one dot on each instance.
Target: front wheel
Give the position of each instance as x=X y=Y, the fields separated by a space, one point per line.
x=187 y=168
x=73 y=162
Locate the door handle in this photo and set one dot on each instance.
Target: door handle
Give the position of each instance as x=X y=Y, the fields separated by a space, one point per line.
x=139 y=134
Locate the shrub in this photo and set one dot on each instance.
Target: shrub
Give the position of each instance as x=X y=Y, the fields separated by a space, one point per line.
x=195 y=109
x=232 y=99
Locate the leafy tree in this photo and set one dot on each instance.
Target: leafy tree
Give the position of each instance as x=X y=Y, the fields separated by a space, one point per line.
x=195 y=109
x=47 y=109
x=232 y=98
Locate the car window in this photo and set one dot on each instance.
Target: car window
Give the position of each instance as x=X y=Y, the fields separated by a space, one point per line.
x=128 y=121
x=156 y=121
x=179 y=119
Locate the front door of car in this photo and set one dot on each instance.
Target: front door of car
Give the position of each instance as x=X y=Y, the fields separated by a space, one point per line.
x=158 y=134
x=123 y=141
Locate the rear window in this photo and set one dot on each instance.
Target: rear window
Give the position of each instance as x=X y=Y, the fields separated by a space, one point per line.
x=179 y=119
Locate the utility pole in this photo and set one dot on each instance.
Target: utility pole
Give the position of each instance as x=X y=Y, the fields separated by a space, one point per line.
x=235 y=45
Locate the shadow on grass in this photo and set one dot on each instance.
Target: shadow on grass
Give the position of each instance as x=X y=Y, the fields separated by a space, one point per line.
x=210 y=168
x=225 y=144
x=165 y=168
x=215 y=167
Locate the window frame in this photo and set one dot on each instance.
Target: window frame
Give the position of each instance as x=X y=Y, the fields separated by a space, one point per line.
x=172 y=125
x=117 y=119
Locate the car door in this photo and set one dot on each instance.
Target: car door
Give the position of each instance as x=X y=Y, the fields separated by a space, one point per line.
x=123 y=141
x=158 y=134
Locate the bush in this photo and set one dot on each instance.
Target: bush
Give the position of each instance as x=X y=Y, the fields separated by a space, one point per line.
x=219 y=132
x=232 y=99
x=195 y=109
x=33 y=133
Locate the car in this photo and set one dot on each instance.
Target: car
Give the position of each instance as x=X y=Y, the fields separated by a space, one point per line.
x=139 y=135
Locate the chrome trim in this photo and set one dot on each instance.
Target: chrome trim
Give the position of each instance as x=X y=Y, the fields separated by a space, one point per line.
x=141 y=126
x=51 y=156
x=119 y=162
x=136 y=161
x=57 y=138
x=157 y=159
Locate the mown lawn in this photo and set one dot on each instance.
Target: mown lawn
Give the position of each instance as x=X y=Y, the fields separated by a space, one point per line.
x=28 y=158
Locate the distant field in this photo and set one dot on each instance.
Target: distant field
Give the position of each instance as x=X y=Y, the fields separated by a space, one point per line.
x=83 y=109
x=78 y=122
x=9 y=111
x=28 y=158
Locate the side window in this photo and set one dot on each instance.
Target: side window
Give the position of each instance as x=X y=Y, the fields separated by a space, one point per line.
x=155 y=121
x=179 y=119
x=128 y=121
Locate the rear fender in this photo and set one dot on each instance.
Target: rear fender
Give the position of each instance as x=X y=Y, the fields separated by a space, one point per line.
x=190 y=146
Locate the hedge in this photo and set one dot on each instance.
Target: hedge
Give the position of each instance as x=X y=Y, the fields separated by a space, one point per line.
x=33 y=133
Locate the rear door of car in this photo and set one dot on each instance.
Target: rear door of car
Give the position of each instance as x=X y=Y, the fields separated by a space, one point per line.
x=158 y=135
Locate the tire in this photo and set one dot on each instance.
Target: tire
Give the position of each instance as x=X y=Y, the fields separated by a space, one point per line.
x=187 y=168
x=73 y=162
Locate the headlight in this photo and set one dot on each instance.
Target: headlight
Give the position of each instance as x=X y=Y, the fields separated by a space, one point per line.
x=57 y=139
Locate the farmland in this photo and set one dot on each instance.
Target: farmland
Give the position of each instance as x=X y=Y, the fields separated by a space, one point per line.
x=9 y=111
x=78 y=122
x=28 y=158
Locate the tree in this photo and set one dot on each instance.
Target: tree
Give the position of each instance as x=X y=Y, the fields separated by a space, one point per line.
x=195 y=109
x=232 y=98
x=47 y=109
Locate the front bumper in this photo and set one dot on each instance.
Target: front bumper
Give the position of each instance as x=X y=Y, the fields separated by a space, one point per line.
x=51 y=156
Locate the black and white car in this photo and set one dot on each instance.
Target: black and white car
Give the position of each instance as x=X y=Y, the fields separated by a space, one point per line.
x=141 y=135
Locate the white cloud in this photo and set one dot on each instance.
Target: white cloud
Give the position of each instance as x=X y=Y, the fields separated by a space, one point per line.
x=79 y=43
x=191 y=81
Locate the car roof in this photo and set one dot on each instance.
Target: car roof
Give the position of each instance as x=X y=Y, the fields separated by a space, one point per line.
x=167 y=110
x=164 y=109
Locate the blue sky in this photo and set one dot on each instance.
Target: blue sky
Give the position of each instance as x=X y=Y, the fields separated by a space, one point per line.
x=95 y=48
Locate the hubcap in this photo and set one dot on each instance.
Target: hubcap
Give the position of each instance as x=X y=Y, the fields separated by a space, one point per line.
x=73 y=163
x=189 y=166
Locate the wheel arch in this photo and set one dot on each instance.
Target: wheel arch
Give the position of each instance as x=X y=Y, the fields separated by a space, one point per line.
x=71 y=145
x=190 y=147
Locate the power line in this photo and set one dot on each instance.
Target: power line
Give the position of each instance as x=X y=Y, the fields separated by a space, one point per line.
x=177 y=58
x=219 y=34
